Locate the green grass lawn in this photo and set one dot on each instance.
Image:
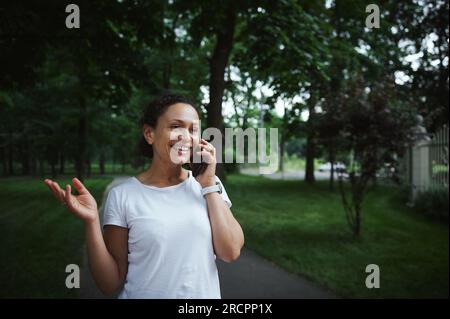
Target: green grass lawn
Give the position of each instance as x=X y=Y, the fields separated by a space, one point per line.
x=303 y=229
x=39 y=237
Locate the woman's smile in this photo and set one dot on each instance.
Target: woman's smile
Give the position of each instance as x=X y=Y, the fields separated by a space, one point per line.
x=181 y=151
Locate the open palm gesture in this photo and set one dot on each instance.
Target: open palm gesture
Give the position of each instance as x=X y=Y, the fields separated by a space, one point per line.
x=83 y=205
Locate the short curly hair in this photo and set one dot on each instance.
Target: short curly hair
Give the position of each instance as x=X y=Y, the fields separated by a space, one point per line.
x=153 y=112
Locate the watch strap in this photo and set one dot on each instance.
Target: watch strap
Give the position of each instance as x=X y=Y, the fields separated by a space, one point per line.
x=211 y=189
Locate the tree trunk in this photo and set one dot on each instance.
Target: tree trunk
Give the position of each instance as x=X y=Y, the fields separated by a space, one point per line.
x=309 y=170
x=82 y=146
x=61 y=162
x=52 y=159
x=10 y=155
x=332 y=176
x=26 y=159
x=53 y=167
x=114 y=163
x=82 y=141
x=88 y=167
x=4 y=163
x=33 y=165
x=332 y=157
x=218 y=63
x=281 y=164
x=284 y=130
x=41 y=167
x=310 y=142
x=3 y=160
x=357 y=226
x=236 y=113
x=102 y=163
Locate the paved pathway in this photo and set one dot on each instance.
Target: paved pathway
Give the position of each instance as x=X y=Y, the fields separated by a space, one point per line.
x=291 y=175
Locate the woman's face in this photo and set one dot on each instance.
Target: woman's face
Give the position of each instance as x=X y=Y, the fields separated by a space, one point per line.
x=176 y=134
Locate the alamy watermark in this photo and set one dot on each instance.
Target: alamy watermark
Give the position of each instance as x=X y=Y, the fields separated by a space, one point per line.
x=73 y=19
x=373 y=279
x=373 y=19
x=73 y=279
x=231 y=147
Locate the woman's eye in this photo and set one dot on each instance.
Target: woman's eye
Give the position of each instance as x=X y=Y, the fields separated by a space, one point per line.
x=174 y=126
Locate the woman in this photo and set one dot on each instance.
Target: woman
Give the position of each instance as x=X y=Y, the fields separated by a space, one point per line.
x=163 y=228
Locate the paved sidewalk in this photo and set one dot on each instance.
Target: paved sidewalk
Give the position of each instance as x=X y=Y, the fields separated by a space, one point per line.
x=251 y=276
x=291 y=175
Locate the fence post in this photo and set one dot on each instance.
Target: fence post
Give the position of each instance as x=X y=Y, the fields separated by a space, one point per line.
x=421 y=167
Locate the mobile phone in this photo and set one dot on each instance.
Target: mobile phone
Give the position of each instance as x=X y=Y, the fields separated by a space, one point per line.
x=197 y=168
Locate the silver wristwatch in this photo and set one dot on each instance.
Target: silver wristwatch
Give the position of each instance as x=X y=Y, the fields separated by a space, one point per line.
x=212 y=189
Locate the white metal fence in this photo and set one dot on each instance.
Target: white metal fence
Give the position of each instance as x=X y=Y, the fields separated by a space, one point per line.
x=426 y=163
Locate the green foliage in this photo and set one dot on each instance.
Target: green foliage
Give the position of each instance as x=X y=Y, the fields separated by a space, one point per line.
x=375 y=129
x=433 y=203
x=56 y=81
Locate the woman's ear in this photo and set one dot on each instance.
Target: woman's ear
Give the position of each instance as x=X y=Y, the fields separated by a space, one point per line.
x=148 y=133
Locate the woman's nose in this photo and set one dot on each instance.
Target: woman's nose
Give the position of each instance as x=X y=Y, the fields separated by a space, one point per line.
x=183 y=135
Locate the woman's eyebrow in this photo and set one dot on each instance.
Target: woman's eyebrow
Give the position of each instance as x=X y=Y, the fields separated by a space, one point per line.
x=182 y=121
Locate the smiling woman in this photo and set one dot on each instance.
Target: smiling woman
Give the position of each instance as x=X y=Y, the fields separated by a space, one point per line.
x=164 y=227
x=157 y=109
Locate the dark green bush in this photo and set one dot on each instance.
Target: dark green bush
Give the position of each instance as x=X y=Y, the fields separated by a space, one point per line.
x=433 y=203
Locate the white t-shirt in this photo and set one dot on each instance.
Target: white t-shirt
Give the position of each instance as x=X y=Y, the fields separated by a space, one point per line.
x=170 y=248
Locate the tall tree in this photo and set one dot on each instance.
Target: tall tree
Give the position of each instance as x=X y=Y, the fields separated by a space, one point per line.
x=215 y=21
x=286 y=48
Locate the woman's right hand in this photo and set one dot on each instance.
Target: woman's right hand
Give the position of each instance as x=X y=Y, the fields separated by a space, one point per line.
x=83 y=205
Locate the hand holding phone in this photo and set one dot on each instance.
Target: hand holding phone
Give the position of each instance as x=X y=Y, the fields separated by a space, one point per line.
x=197 y=168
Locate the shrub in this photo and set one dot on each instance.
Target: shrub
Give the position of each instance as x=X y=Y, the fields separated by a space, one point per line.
x=433 y=203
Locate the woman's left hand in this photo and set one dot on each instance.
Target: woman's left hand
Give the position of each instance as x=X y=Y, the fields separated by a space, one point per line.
x=208 y=155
